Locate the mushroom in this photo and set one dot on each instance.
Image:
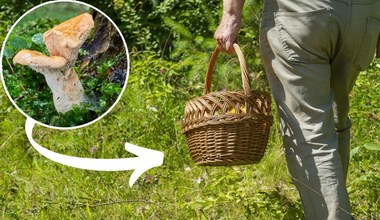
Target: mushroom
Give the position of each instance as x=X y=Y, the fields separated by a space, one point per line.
x=37 y=60
x=66 y=38
x=63 y=43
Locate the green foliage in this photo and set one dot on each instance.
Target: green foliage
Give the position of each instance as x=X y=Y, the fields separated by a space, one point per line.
x=364 y=168
x=171 y=42
x=148 y=115
x=15 y=44
x=142 y=22
x=193 y=49
x=23 y=83
x=372 y=146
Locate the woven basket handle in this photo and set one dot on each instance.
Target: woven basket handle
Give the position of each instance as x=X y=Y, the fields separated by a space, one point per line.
x=243 y=68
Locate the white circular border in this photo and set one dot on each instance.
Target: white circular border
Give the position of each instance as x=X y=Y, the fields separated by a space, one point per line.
x=88 y=123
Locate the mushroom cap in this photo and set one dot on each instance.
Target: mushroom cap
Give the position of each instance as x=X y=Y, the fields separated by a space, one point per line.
x=36 y=59
x=66 y=38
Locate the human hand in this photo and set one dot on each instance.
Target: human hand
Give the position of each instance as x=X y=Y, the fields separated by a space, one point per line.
x=226 y=33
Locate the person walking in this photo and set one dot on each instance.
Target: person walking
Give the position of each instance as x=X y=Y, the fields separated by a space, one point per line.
x=312 y=52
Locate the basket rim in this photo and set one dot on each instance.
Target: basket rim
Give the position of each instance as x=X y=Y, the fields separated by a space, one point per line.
x=239 y=119
x=240 y=92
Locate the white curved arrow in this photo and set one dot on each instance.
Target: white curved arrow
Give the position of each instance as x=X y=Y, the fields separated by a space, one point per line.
x=145 y=160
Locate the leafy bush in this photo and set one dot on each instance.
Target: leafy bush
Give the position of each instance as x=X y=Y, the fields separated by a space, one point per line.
x=142 y=22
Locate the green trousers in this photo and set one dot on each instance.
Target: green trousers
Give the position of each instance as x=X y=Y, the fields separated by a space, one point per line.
x=312 y=51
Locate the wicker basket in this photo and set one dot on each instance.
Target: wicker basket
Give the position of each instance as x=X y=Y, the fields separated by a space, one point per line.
x=228 y=128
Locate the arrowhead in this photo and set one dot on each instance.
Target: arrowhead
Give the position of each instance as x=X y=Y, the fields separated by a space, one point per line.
x=147 y=159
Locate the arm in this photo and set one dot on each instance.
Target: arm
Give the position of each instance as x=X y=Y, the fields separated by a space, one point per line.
x=226 y=33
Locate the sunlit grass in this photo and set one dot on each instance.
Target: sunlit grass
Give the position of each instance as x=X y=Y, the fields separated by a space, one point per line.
x=34 y=187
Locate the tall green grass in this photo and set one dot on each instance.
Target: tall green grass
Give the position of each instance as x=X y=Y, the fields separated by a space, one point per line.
x=33 y=187
x=149 y=115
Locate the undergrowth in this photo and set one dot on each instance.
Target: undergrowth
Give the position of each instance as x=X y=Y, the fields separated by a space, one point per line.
x=149 y=115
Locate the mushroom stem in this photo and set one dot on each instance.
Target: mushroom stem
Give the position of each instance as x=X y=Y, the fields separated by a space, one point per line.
x=66 y=88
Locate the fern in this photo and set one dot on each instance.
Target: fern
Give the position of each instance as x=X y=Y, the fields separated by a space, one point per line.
x=178 y=28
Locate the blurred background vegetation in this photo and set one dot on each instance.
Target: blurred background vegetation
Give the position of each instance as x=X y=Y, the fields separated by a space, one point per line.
x=170 y=42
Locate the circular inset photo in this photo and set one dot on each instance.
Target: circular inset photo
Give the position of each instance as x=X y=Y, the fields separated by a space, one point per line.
x=64 y=64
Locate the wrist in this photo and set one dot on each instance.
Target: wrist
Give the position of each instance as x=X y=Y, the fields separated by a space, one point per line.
x=232 y=15
x=231 y=20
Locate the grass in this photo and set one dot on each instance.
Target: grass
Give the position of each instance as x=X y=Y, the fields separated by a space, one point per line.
x=33 y=187
x=148 y=115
